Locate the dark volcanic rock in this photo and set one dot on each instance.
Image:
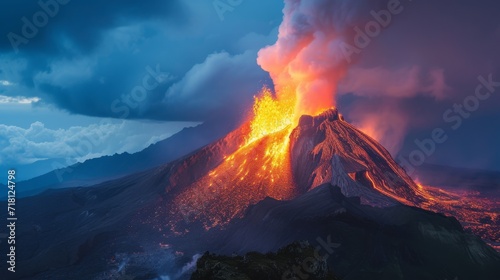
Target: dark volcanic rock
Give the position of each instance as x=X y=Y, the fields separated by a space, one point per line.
x=295 y=260
x=364 y=242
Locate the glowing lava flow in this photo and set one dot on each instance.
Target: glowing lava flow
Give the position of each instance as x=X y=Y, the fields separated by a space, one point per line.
x=271 y=114
x=272 y=124
x=258 y=169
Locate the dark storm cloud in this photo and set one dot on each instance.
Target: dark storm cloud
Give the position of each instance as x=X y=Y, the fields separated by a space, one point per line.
x=72 y=40
x=80 y=23
x=93 y=58
x=73 y=29
x=206 y=89
x=221 y=86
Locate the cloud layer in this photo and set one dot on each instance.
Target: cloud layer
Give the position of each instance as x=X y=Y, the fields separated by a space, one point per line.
x=24 y=145
x=84 y=66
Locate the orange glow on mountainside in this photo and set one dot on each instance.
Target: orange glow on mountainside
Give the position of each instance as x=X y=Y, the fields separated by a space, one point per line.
x=260 y=168
x=257 y=170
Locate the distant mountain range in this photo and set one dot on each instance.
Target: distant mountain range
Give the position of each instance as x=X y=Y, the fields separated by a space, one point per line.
x=456 y=177
x=105 y=168
x=35 y=169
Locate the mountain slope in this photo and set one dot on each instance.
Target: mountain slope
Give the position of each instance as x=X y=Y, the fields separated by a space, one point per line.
x=325 y=141
x=34 y=169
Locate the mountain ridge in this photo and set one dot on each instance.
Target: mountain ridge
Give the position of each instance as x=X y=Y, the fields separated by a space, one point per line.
x=98 y=170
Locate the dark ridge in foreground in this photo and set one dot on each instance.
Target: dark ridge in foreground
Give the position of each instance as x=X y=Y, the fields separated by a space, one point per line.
x=364 y=242
x=272 y=266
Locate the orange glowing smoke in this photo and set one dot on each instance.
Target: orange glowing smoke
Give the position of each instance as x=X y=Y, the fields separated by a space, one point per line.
x=302 y=82
x=369 y=127
x=307 y=57
x=305 y=66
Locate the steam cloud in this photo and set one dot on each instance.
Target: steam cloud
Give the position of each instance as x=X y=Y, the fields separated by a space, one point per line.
x=189 y=266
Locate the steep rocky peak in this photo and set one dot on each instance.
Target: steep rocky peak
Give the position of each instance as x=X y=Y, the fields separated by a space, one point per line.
x=329 y=115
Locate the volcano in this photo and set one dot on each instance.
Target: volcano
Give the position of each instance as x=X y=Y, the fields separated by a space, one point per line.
x=221 y=181
x=217 y=184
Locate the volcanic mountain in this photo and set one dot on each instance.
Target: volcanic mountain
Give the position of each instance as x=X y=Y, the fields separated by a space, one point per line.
x=221 y=181
x=217 y=184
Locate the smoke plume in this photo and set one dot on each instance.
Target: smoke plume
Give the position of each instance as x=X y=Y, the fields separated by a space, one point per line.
x=307 y=58
x=313 y=61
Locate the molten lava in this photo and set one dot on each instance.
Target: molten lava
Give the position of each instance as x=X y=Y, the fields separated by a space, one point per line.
x=260 y=168
x=271 y=114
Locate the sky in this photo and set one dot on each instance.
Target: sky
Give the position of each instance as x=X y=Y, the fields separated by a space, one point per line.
x=130 y=74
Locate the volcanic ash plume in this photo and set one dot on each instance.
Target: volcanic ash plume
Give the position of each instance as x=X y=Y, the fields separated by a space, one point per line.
x=307 y=59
